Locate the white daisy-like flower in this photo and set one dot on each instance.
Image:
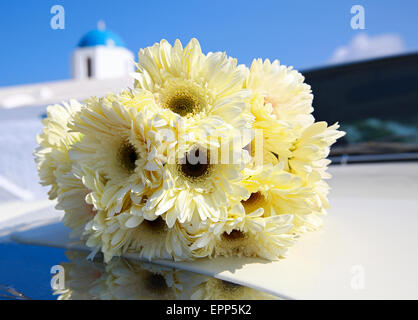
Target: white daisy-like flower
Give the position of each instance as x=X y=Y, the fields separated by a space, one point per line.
x=273 y=138
x=195 y=186
x=312 y=147
x=246 y=234
x=148 y=239
x=284 y=89
x=72 y=199
x=120 y=142
x=308 y=161
x=276 y=191
x=56 y=139
x=202 y=89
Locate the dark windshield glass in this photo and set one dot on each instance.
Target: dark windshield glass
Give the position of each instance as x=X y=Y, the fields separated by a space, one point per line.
x=376 y=103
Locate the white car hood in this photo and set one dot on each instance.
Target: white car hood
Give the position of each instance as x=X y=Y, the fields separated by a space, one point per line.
x=366 y=248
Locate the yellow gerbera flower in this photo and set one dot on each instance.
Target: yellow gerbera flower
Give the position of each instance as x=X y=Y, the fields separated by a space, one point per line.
x=284 y=89
x=197 y=87
x=72 y=199
x=312 y=147
x=195 y=186
x=308 y=161
x=276 y=192
x=149 y=239
x=273 y=138
x=246 y=234
x=51 y=155
x=120 y=142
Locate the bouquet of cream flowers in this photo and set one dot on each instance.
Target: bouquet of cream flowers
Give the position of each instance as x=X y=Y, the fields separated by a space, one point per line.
x=201 y=158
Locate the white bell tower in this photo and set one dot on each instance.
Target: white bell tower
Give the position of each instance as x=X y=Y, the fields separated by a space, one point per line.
x=101 y=54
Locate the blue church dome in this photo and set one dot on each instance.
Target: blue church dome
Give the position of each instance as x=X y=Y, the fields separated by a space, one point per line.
x=99 y=37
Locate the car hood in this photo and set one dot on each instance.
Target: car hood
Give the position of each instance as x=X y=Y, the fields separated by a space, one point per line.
x=366 y=248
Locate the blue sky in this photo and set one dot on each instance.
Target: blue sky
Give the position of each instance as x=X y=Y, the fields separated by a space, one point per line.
x=304 y=34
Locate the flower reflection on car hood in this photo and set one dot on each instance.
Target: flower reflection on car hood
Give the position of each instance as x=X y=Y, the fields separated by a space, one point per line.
x=126 y=279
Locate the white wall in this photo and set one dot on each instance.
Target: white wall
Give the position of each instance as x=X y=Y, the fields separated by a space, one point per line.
x=106 y=62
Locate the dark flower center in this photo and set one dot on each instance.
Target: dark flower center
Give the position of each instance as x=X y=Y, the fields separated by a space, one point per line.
x=127 y=156
x=183 y=103
x=156 y=225
x=155 y=282
x=197 y=167
x=253 y=199
x=233 y=235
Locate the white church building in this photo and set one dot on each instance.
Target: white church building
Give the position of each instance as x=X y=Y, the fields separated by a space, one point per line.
x=100 y=63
